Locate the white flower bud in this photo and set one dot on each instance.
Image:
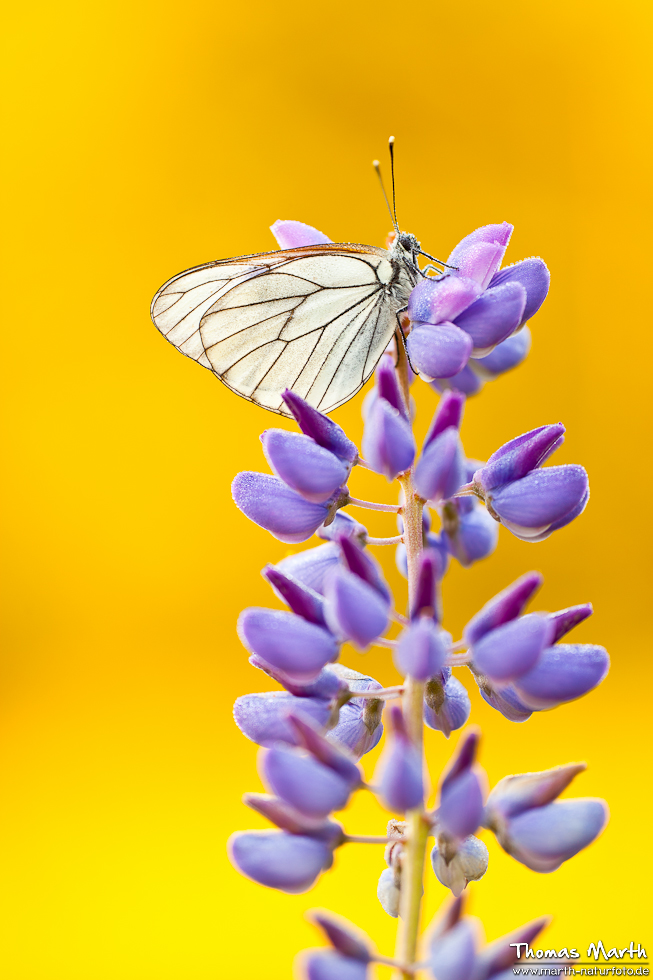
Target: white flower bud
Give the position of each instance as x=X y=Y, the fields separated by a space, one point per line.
x=468 y=864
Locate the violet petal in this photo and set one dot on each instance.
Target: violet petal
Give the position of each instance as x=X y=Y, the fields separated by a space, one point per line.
x=503 y=607
x=268 y=502
x=301 y=781
x=440 y=351
x=533 y=275
x=439 y=300
x=302 y=600
x=422 y=649
x=542 y=498
x=388 y=443
x=511 y=650
x=320 y=427
x=263 y=718
x=330 y=965
x=448 y=413
x=354 y=610
x=493 y=317
x=276 y=859
x=299 y=648
x=440 y=470
x=564 y=672
x=507 y=355
x=311 y=470
x=546 y=836
x=295 y=234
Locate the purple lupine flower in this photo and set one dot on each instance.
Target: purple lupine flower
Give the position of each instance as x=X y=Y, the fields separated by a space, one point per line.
x=497 y=958
x=343 y=936
x=303 y=601
x=359 y=727
x=469 y=532
x=473 y=309
x=399 y=772
x=288 y=516
x=330 y=754
x=469 y=863
x=302 y=781
x=563 y=672
x=503 y=607
x=388 y=443
x=263 y=718
x=354 y=610
x=507 y=355
x=446 y=703
x=311 y=470
x=422 y=649
x=453 y=953
x=331 y=965
x=461 y=793
x=534 y=829
x=511 y=650
x=530 y=501
x=320 y=428
x=357 y=597
x=297 y=648
x=364 y=566
x=440 y=470
x=295 y=234
x=285 y=817
x=276 y=859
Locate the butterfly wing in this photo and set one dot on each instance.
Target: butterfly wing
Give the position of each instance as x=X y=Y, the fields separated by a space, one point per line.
x=313 y=319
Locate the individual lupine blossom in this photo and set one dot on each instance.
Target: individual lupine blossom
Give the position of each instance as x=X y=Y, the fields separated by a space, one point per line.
x=440 y=471
x=456 y=953
x=507 y=355
x=358 y=601
x=536 y=828
x=473 y=308
x=517 y=661
x=388 y=443
x=309 y=782
x=399 y=775
x=530 y=501
x=423 y=647
x=310 y=474
x=458 y=857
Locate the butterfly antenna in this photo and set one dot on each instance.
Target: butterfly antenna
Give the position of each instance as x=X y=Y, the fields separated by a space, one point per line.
x=377 y=167
x=391 y=147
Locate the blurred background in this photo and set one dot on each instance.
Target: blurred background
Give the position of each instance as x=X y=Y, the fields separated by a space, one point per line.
x=143 y=138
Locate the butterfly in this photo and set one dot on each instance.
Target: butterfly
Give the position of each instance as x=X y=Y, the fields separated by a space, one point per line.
x=314 y=319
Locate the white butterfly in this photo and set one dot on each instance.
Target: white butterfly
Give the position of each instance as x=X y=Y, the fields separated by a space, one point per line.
x=314 y=319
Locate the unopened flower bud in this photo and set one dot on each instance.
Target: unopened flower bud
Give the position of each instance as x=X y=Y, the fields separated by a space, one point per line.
x=446 y=703
x=399 y=772
x=388 y=443
x=388 y=892
x=301 y=781
x=422 y=649
x=440 y=470
x=469 y=863
x=509 y=651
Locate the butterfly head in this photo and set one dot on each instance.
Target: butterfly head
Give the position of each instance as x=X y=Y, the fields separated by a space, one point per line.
x=407 y=242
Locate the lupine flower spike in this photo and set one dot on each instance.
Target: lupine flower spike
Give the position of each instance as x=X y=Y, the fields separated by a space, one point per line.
x=330 y=601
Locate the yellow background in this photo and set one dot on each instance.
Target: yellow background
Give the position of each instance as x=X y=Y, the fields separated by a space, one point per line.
x=142 y=138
